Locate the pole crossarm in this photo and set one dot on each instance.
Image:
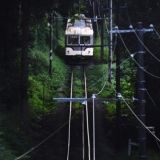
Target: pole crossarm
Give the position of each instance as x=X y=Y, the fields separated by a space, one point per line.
x=90 y=99
x=86 y=46
x=131 y=30
x=96 y=18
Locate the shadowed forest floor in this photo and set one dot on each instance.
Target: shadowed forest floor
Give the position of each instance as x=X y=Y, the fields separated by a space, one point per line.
x=56 y=147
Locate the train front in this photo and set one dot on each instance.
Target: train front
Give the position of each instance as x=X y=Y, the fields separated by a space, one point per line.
x=79 y=39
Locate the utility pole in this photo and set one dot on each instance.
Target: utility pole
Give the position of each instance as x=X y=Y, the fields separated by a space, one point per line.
x=118 y=89
x=95 y=18
x=140 y=86
x=110 y=41
x=102 y=34
x=51 y=43
x=57 y=25
x=141 y=94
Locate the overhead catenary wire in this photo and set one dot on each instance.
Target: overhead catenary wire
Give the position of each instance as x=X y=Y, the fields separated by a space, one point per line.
x=157 y=139
x=128 y=14
x=146 y=47
x=140 y=66
x=129 y=19
x=135 y=60
x=131 y=55
x=152 y=26
x=93 y=103
x=140 y=120
x=33 y=148
x=105 y=76
x=151 y=98
x=122 y=98
x=156 y=31
x=157 y=143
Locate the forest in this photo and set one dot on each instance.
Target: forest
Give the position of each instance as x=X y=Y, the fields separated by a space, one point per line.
x=31 y=77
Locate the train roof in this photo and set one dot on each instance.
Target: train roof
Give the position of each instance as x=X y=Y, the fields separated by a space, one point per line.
x=79 y=21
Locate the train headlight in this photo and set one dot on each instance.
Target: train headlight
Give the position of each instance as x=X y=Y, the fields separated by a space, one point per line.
x=70 y=30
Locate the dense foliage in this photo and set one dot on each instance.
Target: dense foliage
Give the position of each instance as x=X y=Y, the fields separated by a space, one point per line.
x=32 y=39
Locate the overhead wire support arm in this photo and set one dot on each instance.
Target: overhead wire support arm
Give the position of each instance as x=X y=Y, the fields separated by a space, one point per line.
x=87 y=46
x=116 y=30
x=90 y=99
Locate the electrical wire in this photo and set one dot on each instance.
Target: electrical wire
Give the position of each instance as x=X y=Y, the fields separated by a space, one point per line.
x=96 y=81
x=102 y=88
x=157 y=143
x=136 y=115
x=156 y=31
x=131 y=55
x=33 y=148
x=135 y=60
x=146 y=47
x=140 y=39
x=151 y=98
x=140 y=120
x=128 y=14
x=104 y=77
x=153 y=56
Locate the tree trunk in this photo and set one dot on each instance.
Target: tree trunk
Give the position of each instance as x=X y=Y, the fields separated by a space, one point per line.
x=24 y=65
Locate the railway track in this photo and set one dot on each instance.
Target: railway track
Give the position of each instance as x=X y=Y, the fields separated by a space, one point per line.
x=79 y=147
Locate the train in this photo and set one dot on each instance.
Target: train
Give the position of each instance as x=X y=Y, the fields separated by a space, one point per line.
x=79 y=38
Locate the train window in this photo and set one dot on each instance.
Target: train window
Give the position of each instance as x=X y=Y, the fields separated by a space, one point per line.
x=79 y=24
x=73 y=39
x=85 y=39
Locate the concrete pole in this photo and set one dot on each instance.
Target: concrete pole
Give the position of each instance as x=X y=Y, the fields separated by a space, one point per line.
x=141 y=94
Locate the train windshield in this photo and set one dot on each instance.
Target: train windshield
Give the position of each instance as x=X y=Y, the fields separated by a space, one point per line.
x=79 y=24
x=85 y=40
x=73 y=39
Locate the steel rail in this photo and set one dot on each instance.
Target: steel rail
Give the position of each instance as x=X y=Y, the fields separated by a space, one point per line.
x=85 y=123
x=86 y=107
x=70 y=114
